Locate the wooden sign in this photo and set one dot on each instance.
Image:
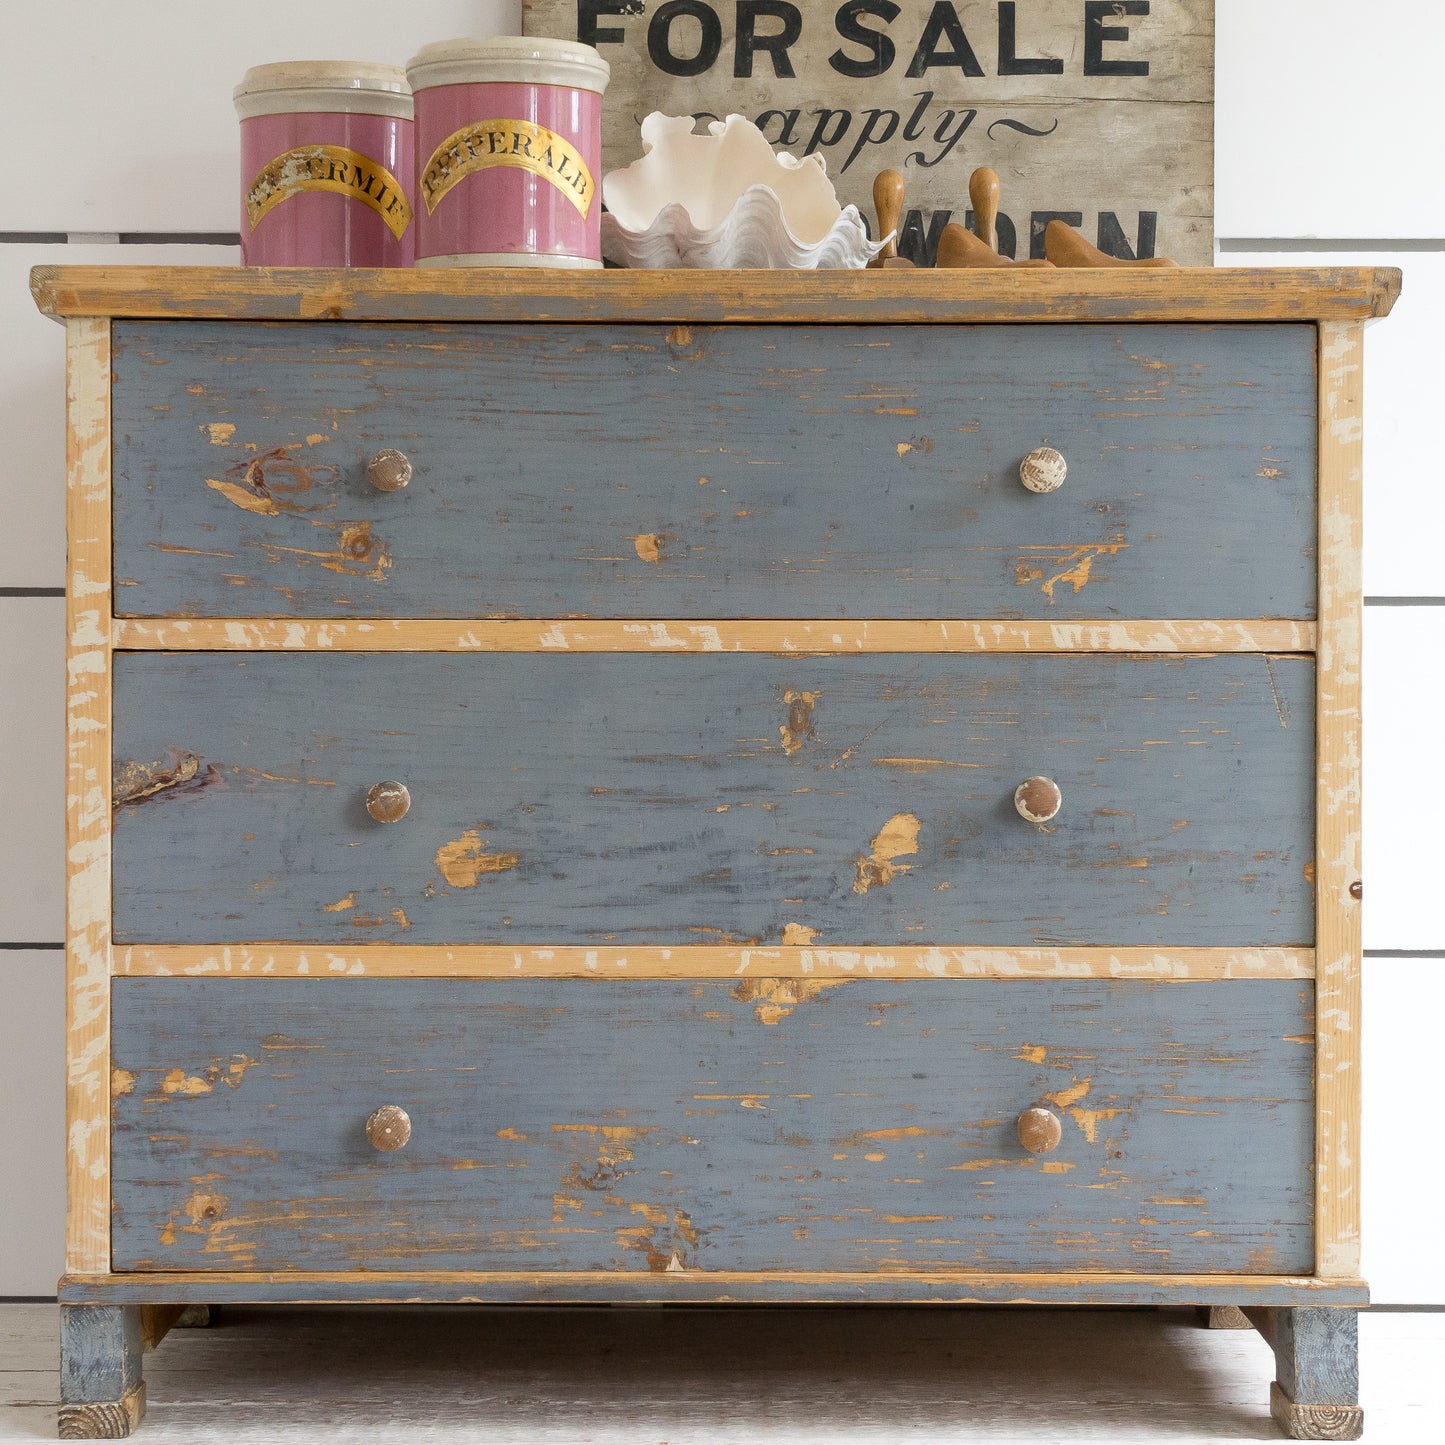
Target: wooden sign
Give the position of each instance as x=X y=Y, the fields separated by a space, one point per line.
x=1098 y=112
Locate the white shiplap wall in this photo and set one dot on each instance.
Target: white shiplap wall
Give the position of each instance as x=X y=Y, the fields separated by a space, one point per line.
x=1327 y=152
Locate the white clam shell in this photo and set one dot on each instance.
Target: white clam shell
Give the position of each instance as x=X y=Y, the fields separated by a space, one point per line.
x=726 y=200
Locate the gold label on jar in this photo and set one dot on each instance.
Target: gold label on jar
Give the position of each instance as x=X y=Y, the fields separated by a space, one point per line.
x=329 y=168
x=516 y=143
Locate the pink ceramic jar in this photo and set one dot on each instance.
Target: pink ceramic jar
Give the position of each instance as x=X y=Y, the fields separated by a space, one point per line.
x=508 y=152
x=326 y=165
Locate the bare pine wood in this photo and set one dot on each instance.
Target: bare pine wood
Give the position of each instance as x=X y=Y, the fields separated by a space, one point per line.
x=1337 y=802
x=247 y=960
x=156 y=1322
x=88 y=780
x=103 y=1419
x=1315 y=1422
x=526 y=294
x=815 y=636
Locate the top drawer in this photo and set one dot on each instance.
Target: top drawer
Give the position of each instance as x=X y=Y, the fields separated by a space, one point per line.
x=734 y=471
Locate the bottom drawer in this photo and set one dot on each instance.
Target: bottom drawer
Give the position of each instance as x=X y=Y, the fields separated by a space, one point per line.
x=753 y=1124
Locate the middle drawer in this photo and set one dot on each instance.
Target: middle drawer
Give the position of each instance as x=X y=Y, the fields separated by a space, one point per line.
x=635 y=799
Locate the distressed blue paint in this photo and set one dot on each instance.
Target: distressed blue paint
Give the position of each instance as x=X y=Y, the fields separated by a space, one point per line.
x=699 y=1288
x=653 y=799
x=852 y=471
x=1317 y=1353
x=100 y=1352
x=601 y=1126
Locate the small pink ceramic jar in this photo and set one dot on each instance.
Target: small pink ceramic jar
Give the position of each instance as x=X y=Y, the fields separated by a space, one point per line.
x=327 y=163
x=508 y=152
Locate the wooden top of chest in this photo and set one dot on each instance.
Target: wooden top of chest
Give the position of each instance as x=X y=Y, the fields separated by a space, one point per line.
x=1345 y=293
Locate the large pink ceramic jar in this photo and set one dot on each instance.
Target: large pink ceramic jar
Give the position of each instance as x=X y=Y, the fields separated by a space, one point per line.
x=509 y=152
x=326 y=165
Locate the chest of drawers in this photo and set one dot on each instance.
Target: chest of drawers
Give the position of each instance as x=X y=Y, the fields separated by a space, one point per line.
x=611 y=789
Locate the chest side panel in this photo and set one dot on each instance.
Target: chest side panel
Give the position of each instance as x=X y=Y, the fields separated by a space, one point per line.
x=742 y=1124
x=737 y=471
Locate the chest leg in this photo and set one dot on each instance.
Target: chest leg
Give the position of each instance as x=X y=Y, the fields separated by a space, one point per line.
x=102 y=1395
x=1316 y=1392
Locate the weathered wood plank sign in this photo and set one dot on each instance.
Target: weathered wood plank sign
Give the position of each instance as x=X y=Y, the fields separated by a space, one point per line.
x=1098 y=112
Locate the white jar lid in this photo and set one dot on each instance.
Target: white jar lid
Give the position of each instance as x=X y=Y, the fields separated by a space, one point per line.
x=524 y=59
x=350 y=87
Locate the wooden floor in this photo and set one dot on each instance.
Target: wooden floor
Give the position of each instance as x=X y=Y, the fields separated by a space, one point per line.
x=678 y=1376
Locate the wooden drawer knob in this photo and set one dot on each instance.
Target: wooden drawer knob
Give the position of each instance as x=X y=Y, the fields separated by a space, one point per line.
x=1038 y=799
x=388 y=802
x=1039 y=1130
x=1043 y=470
x=389 y=470
x=389 y=1128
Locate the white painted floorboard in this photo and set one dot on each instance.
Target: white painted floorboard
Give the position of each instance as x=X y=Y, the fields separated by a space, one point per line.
x=719 y=1377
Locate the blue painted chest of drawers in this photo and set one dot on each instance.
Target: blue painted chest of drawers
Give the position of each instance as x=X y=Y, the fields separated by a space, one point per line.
x=613 y=790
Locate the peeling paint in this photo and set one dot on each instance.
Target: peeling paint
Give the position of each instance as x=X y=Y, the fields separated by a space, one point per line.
x=775 y=998
x=1089 y=1120
x=202 y=1208
x=897 y=838
x=177 y=1081
x=245 y=498
x=463 y=861
x=1074 y=563
x=134 y=783
x=920 y=765
x=861 y=1137
x=799 y=726
x=1063 y=1098
x=357 y=553
x=219 y=432
x=231 y=1073
x=799 y=934
x=648 y=547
